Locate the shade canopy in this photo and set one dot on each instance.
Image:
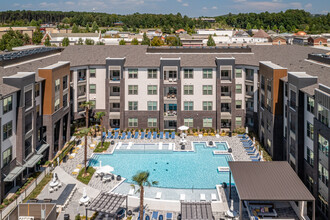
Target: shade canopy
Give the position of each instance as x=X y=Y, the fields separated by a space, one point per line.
x=196 y=210
x=14 y=173
x=107 y=203
x=42 y=148
x=33 y=160
x=268 y=181
x=183 y=128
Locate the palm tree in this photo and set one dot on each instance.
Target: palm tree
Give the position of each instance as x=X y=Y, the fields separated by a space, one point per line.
x=141 y=179
x=87 y=106
x=84 y=133
x=99 y=116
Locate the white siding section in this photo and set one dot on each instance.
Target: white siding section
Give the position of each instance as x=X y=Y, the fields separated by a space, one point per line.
x=142 y=81
x=198 y=83
x=309 y=117
x=99 y=81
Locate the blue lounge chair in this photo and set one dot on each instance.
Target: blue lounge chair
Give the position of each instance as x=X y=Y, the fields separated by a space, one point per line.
x=167 y=135
x=129 y=134
x=245 y=139
x=251 y=152
x=173 y=135
x=255 y=157
x=149 y=135
x=155 y=135
x=161 y=135
x=104 y=134
x=154 y=216
x=136 y=136
x=142 y=135
x=169 y=216
x=142 y=216
x=116 y=135
x=109 y=135
x=161 y=217
x=147 y=217
x=123 y=135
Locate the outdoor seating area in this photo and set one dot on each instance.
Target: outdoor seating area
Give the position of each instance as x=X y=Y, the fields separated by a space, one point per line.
x=144 y=135
x=55 y=183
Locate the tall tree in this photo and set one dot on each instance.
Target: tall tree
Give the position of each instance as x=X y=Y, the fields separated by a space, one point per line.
x=156 y=42
x=142 y=179
x=80 y=41
x=26 y=39
x=135 y=42
x=47 y=41
x=95 y=27
x=122 y=42
x=84 y=132
x=99 y=117
x=210 y=41
x=145 y=40
x=37 y=36
x=89 y=42
x=65 y=42
x=87 y=106
x=75 y=28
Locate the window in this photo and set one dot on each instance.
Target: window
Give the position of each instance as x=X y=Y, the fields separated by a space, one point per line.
x=189 y=122
x=65 y=100
x=152 y=73
x=7 y=104
x=323 y=204
x=323 y=174
x=292 y=121
x=152 y=106
x=37 y=90
x=310 y=130
x=7 y=156
x=188 y=73
x=57 y=104
x=286 y=90
x=238 y=104
x=238 y=73
x=188 y=89
x=115 y=75
x=323 y=145
x=38 y=110
x=310 y=157
x=249 y=73
x=310 y=105
x=92 y=73
x=81 y=90
x=7 y=130
x=92 y=89
x=28 y=99
x=238 y=121
x=132 y=73
x=116 y=89
x=207 y=73
x=132 y=122
x=65 y=82
x=262 y=83
x=152 y=122
x=28 y=123
x=323 y=114
x=132 y=106
x=28 y=146
x=239 y=88
x=152 y=90
x=188 y=106
x=225 y=91
x=116 y=105
x=132 y=90
x=207 y=106
x=293 y=99
x=57 y=85
x=93 y=103
x=310 y=183
x=225 y=73
x=207 y=122
x=207 y=90
x=269 y=143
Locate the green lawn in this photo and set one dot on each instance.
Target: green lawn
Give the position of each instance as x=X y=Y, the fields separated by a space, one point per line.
x=39 y=187
x=86 y=179
x=100 y=149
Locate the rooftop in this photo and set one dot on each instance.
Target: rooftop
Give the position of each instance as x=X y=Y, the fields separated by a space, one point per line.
x=268 y=181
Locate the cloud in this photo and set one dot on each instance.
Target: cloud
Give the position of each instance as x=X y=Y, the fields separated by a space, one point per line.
x=185 y=4
x=274 y=5
x=69 y=3
x=46 y=5
x=239 y=0
x=308 y=6
x=179 y=0
x=204 y=8
x=214 y=7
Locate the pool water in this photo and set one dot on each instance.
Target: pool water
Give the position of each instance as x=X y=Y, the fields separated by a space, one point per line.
x=221 y=146
x=184 y=170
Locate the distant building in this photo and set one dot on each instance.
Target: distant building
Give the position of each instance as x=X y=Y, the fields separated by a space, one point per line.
x=180 y=31
x=278 y=40
x=261 y=37
x=241 y=33
x=192 y=42
x=252 y=31
x=24 y=30
x=317 y=41
x=300 y=40
x=73 y=37
x=119 y=23
x=217 y=32
x=211 y=20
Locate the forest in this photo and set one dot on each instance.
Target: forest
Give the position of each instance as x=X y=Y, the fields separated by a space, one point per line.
x=288 y=21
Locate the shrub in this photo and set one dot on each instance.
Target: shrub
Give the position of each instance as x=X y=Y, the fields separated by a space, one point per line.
x=77 y=217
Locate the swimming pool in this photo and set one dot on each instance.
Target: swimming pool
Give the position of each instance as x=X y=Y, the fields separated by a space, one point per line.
x=184 y=170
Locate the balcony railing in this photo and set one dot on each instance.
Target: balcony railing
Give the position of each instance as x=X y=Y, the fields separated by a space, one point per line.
x=114 y=109
x=115 y=79
x=114 y=93
x=170 y=96
x=225 y=94
x=225 y=110
x=170 y=113
x=225 y=125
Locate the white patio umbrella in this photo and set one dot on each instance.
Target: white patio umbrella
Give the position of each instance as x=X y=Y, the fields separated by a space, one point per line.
x=247 y=130
x=100 y=164
x=231 y=213
x=183 y=128
x=105 y=169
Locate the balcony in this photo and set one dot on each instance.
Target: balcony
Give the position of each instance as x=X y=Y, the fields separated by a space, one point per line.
x=170 y=115
x=114 y=109
x=225 y=95
x=115 y=76
x=170 y=77
x=115 y=79
x=225 y=123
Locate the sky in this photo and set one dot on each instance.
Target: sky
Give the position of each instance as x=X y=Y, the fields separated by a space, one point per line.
x=193 y=8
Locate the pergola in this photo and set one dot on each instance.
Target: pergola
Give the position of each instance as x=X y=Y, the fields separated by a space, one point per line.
x=196 y=211
x=107 y=203
x=269 y=181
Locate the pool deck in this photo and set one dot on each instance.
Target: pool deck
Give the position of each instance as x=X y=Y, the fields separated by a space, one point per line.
x=170 y=199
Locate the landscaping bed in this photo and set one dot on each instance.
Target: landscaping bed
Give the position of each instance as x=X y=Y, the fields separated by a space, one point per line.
x=100 y=149
x=85 y=179
x=39 y=187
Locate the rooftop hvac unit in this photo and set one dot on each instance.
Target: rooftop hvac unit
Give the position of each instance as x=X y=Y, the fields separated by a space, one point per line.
x=26 y=218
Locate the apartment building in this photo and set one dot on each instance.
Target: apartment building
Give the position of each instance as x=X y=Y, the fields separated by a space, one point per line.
x=266 y=88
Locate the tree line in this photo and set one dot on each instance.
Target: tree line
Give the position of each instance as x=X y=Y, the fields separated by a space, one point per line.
x=290 y=20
